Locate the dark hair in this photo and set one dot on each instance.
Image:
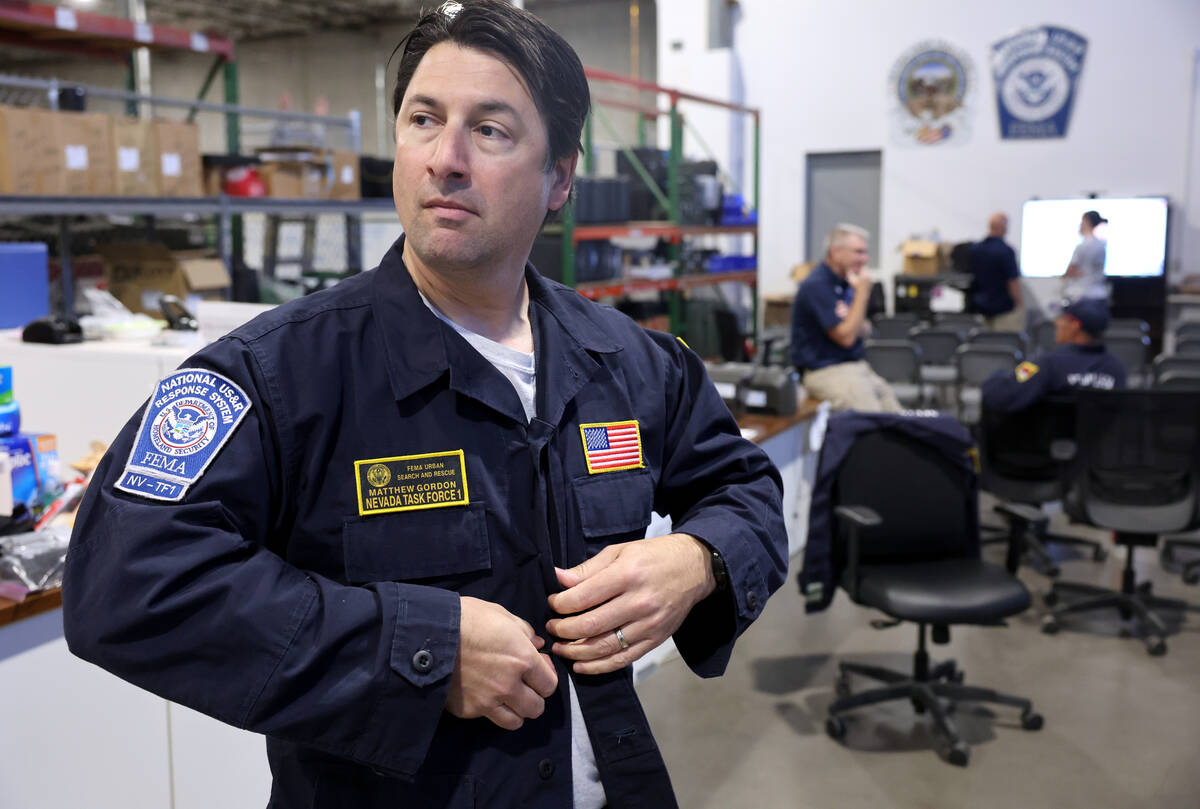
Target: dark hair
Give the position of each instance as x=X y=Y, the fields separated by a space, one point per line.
x=1093 y=218
x=549 y=66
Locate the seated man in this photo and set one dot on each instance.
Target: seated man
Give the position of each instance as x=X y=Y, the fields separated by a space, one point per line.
x=829 y=320
x=1079 y=360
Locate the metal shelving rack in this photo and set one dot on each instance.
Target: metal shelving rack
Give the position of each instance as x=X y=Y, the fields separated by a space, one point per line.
x=77 y=32
x=672 y=230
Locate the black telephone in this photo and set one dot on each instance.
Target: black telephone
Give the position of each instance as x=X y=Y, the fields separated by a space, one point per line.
x=53 y=329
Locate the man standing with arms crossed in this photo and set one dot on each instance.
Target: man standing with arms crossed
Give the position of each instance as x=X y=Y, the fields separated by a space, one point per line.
x=397 y=526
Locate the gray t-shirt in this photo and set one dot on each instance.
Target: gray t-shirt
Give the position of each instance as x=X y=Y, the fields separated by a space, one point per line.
x=520 y=370
x=1089 y=256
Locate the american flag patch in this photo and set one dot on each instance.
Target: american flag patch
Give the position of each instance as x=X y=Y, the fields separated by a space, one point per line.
x=612 y=446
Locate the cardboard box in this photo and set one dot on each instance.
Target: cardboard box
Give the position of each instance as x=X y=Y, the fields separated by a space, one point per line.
x=178 y=165
x=293 y=179
x=921 y=258
x=139 y=274
x=85 y=141
x=777 y=310
x=343 y=180
x=31 y=160
x=136 y=158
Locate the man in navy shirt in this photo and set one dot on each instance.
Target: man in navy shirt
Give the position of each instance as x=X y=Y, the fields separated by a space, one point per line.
x=1080 y=360
x=996 y=292
x=829 y=321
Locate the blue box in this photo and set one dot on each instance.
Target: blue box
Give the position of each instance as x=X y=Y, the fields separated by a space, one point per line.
x=35 y=467
x=24 y=283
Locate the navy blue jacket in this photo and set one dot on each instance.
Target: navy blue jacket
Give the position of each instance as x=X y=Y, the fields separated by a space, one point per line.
x=264 y=595
x=993 y=264
x=1065 y=366
x=814 y=313
x=823 y=561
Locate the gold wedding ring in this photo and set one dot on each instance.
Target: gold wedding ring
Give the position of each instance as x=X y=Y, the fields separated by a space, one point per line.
x=621 y=639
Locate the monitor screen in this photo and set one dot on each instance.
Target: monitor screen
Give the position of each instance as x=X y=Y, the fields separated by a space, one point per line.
x=1136 y=235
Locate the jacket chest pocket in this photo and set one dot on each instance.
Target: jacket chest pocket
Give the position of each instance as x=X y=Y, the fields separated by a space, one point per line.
x=614 y=505
x=425 y=544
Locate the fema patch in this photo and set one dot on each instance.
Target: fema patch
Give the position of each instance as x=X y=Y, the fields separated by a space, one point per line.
x=191 y=416
x=1025 y=371
x=1037 y=72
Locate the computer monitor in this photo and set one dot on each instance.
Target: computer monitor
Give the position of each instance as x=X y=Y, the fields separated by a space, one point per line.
x=1136 y=233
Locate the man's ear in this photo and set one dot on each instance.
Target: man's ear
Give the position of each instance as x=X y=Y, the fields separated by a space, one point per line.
x=562 y=174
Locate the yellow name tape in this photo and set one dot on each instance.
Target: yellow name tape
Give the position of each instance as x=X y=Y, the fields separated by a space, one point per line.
x=411 y=482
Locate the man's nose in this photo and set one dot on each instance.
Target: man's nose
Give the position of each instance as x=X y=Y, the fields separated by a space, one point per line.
x=449 y=159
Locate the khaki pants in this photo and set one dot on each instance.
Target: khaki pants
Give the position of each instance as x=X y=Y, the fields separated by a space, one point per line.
x=851 y=386
x=1009 y=321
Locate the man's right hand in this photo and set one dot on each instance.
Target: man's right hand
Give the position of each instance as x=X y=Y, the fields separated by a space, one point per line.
x=860 y=280
x=499 y=673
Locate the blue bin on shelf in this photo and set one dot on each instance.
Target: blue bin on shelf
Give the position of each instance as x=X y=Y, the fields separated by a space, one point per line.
x=24 y=283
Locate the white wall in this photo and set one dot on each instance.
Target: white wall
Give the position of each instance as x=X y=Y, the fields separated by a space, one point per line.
x=819 y=72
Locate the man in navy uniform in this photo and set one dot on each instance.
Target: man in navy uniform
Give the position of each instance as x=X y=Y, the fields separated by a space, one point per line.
x=996 y=290
x=829 y=322
x=402 y=532
x=1079 y=360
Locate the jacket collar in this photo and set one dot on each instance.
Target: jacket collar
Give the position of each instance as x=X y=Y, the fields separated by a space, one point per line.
x=420 y=348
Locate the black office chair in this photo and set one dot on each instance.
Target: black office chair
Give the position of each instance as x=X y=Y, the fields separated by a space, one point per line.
x=938 y=344
x=895 y=327
x=898 y=362
x=1166 y=363
x=1043 y=336
x=1016 y=466
x=1178 y=380
x=1015 y=340
x=975 y=363
x=1187 y=330
x=1131 y=349
x=1128 y=324
x=1187 y=346
x=908 y=532
x=1135 y=470
x=964 y=321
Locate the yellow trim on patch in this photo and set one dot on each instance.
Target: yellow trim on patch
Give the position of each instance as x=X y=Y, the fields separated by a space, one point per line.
x=641 y=461
x=1026 y=370
x=358 y=479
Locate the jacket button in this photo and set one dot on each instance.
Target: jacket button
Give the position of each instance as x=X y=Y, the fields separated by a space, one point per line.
x=752 y=600
x=422 y=661
x=545 y=769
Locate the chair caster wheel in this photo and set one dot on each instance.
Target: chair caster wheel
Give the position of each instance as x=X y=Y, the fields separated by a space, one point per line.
x=1031 y=720
x=918 y=706
x=1050 y=598
x=1052 y=571
x=1124 y=632
x=1050 y=626
x=1191 y=576
x=958 y=676
x=1099 y=554
x=835 y=726
x=841 y=687
x=1158 y=648
x=958 y=754
x=1145 y=587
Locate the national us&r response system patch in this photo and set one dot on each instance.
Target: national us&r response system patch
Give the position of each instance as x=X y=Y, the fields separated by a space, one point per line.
x=190 y=417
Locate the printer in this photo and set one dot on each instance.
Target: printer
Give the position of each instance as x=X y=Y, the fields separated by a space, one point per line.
x=746 y=388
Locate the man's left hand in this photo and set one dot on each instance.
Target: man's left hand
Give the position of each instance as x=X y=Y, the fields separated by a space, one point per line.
x=644 y=588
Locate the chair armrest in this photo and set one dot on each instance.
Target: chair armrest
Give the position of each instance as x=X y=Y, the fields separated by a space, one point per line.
x=1063 y=449
x=857 y=518
x=1022 y=519
x=1019 y=512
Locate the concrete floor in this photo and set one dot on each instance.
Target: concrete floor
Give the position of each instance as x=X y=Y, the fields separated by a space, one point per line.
x=1122 y=728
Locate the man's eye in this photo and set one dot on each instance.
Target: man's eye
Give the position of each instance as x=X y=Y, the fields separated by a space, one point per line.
x=420 y=119
x=488 y=131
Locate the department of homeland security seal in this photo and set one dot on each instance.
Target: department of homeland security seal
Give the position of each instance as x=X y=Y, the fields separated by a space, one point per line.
x=192 y=414
x=931 y=86
x=1037 y=72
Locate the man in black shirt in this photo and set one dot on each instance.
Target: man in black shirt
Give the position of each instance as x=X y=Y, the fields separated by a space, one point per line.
x=996 y=291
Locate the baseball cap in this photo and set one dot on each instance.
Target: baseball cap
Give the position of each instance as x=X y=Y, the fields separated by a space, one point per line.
x=1092 y=314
